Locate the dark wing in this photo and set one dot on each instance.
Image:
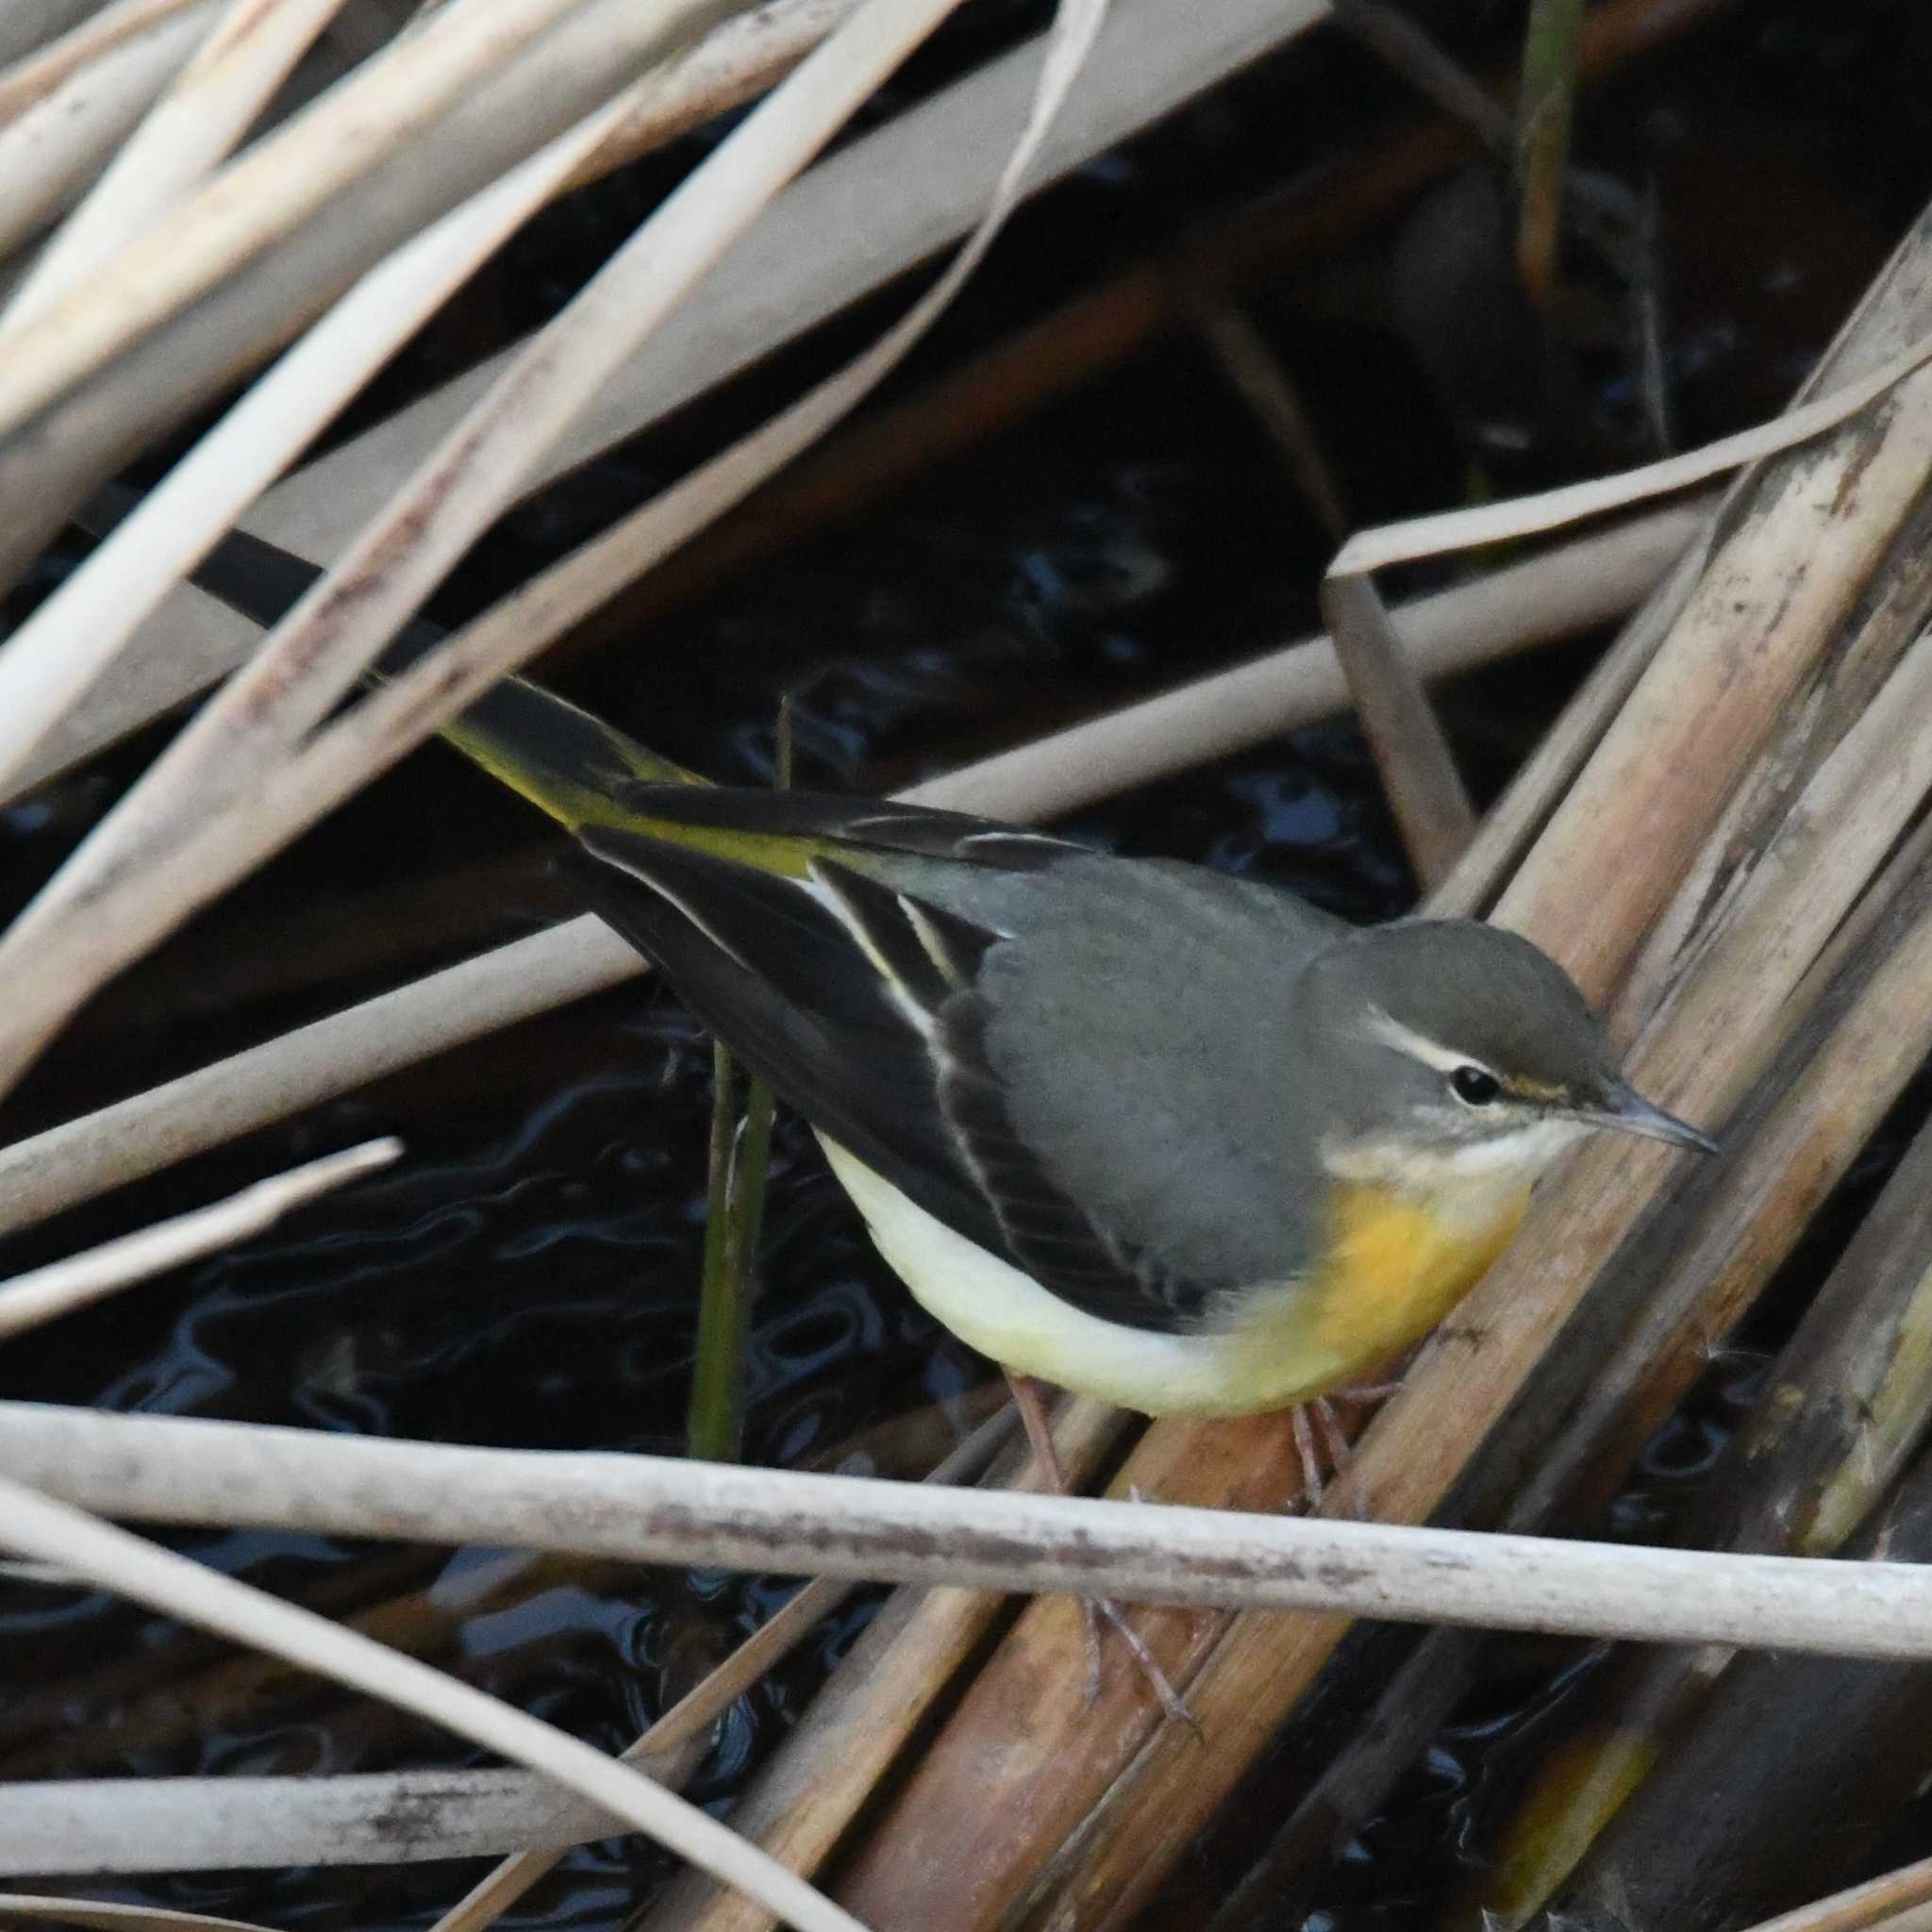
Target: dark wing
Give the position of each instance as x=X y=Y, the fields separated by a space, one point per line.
x=858 y=996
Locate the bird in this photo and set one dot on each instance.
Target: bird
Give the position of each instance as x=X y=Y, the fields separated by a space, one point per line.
x=1139 y=1129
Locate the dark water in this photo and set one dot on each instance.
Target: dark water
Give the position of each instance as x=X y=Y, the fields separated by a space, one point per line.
x=526 y=1277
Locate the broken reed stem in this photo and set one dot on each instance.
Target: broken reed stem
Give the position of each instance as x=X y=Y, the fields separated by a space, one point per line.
x=1412 y=757
x=28 y=1300
x=1418 y=772
x=1542 y=139
x=656 y=1510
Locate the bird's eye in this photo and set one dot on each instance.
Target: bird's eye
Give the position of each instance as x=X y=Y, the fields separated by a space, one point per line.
x=1475 y=1086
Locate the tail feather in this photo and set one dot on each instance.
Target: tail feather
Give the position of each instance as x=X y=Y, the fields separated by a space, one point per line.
x=566 y=762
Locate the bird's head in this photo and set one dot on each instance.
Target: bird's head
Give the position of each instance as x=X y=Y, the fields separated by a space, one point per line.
x=1447 y=1049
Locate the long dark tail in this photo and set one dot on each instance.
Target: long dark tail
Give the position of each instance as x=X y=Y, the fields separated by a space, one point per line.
x=565 y=761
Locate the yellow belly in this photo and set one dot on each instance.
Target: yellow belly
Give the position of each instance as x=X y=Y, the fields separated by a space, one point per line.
x=1394 y=1265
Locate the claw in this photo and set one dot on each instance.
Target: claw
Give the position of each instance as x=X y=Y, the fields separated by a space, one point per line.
x=1319 y=1414
x=1171 y=1700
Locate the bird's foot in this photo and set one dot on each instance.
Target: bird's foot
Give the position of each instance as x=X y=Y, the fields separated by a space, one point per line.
x=1026 y=1399
x=1321 y=1417
x=1093 y=1611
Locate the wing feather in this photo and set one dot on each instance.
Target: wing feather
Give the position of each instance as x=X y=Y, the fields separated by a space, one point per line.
x=860 y=1002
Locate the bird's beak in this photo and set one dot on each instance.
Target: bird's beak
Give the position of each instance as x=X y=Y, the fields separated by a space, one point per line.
x=1628 y=1112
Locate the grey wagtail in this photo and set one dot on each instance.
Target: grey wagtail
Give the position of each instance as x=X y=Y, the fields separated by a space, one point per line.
x=1165 y=1137
x=1159 y=1134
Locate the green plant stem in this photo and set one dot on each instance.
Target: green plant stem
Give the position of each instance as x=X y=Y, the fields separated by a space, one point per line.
x=1542 y=138
x=717 y=1388
x=735 y=1213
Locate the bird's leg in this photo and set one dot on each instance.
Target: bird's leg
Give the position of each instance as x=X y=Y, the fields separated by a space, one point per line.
x=1032 y=1409
x=1318 y=1415
x=1026 y=1399
x=1300 y=1420
x=1334 y=1436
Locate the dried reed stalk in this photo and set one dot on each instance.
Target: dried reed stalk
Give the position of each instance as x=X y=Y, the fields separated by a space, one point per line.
x=70 y=1827
x=264 y=245
x=28 y=1300
x=924 y=179
x=287 y=179
x=201 y=814
x=83 y=1546
x=1412 y=757
x=664 y=1509
x=1512 y=824
x=211 y=106
x=54 y=149
x=70 y=643
x=30 y=24
x=1848 y=1402
x=44 y=73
